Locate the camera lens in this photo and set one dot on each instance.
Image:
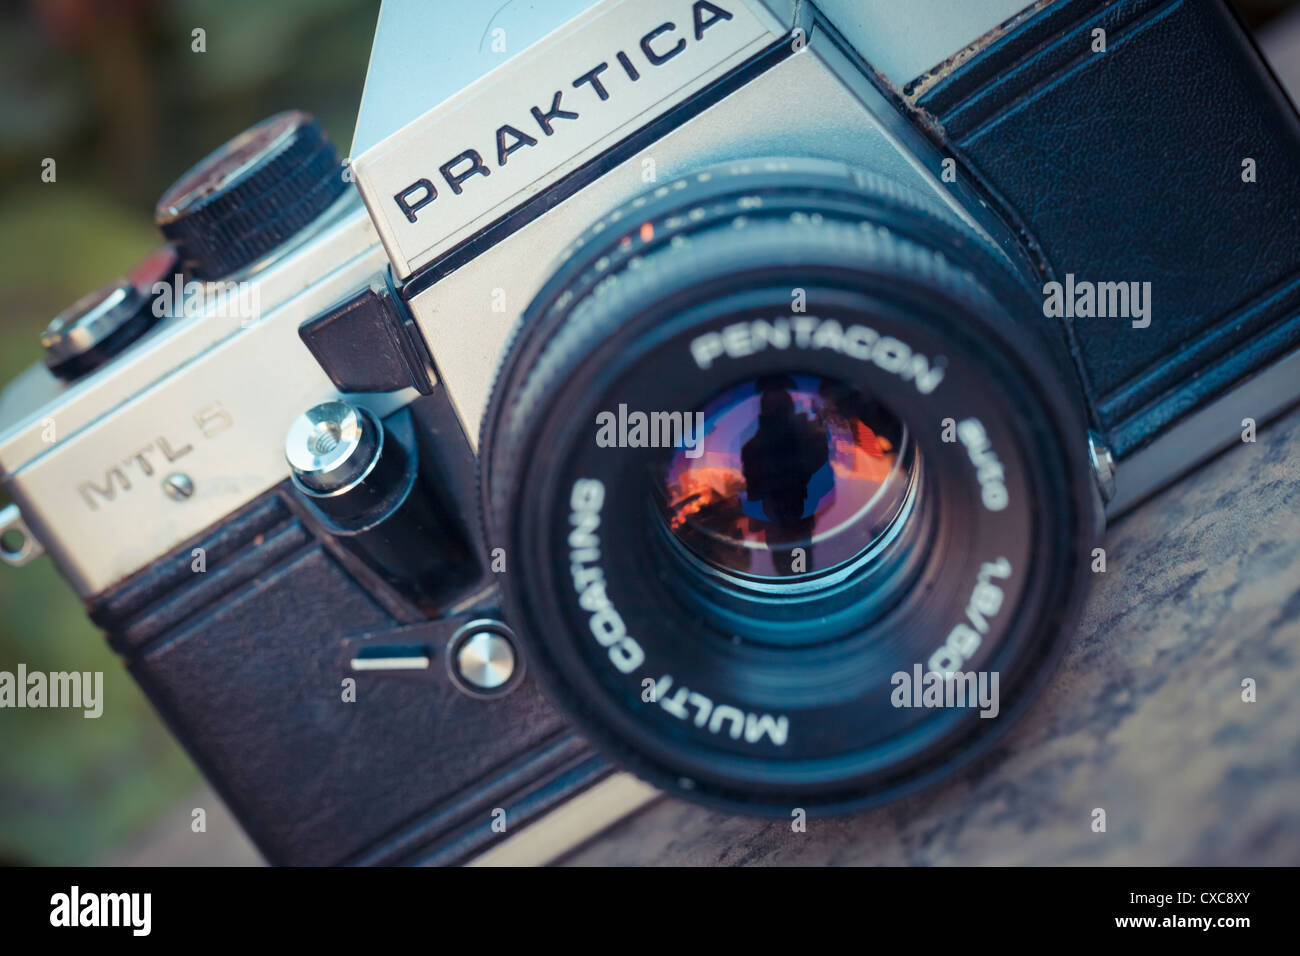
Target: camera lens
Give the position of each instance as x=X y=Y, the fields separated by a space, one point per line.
x=776 y=441
x=791 y=478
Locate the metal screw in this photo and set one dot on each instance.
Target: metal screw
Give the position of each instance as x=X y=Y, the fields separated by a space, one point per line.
x=178 y=486
x=1103 y=466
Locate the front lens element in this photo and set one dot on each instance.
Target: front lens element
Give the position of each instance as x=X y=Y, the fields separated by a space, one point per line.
x=795 y=475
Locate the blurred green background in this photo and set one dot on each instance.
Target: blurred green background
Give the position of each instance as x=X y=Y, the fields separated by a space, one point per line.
x=113 y=91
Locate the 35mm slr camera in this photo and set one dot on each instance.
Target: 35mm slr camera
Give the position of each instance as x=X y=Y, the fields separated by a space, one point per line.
x=656 y=383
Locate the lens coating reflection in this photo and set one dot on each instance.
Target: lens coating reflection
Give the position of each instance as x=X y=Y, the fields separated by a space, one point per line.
x=795 y=476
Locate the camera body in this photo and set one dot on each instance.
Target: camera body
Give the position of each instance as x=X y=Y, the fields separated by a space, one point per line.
x=1059 y=242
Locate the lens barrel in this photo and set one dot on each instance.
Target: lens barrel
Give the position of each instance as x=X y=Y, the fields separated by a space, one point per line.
x=815 y=322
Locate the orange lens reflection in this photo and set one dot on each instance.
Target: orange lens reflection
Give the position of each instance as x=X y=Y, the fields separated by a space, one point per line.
x=788 y=462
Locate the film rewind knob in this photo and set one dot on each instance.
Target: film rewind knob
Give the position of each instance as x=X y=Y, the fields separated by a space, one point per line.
x=251 y=195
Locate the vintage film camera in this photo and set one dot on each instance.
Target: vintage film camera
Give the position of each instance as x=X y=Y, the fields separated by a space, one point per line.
x=656 y=379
